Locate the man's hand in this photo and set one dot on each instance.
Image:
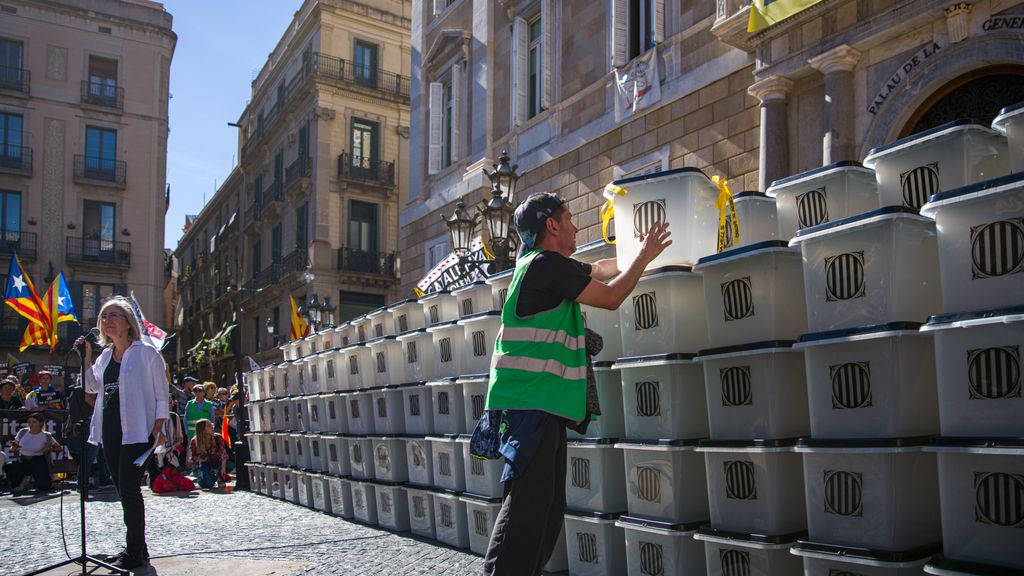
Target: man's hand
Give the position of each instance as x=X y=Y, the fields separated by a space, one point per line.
x=654 y=243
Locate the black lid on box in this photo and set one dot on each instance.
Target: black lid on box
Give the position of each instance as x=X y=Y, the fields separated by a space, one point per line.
x=842 y=552
x=645 y=523
x=753 y=538
x=856 y=218
x=919 y=135
x=825 y=168
x=858 y=330
x=743 y=250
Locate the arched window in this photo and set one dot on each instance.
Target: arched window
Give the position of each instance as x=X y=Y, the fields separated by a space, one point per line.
x=976 y=96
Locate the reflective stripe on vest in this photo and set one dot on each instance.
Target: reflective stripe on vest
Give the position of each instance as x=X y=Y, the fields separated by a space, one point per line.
x=542 y=336
x=552 y=367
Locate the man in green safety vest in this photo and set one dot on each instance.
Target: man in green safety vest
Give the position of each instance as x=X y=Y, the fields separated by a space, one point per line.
x=538 y=379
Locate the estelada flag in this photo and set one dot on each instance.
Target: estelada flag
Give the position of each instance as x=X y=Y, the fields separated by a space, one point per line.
x=300 y=329
x=20 y=294
x=59 y=308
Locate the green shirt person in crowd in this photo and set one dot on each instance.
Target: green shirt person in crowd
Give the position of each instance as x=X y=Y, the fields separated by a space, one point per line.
x=197 y=409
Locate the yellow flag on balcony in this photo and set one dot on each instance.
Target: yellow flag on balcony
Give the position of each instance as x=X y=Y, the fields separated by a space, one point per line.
x=300 y=329
x=765 y=13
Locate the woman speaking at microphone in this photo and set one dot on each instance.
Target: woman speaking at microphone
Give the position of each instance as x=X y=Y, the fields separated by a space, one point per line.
x=129 y=376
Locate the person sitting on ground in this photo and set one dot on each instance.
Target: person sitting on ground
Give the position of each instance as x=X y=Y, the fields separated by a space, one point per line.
x=207 y=454
x=8 y=399
x=32 y=445
x=196 y=409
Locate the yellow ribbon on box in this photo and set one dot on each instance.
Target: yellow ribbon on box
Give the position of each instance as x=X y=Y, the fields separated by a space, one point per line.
x=725 y=206
x=608 y=210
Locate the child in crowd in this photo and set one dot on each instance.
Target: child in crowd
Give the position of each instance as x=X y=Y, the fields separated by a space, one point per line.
x=207 y=454
x=45 y=396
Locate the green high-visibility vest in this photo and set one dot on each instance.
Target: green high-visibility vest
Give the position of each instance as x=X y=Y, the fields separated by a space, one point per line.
x=540 y=361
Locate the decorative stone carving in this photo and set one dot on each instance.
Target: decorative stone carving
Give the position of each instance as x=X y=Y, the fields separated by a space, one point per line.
x=842 y=58
x=958 y=21
x=324 y=113
x=770 y=88
x=56 y=63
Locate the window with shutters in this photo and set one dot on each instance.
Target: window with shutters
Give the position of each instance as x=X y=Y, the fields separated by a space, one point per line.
x=534 y=69
x=435 y=251
x=531 y=63
x=445 y=104
x=637 y=25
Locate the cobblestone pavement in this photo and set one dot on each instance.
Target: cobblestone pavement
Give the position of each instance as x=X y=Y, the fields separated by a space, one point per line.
x=202 y=526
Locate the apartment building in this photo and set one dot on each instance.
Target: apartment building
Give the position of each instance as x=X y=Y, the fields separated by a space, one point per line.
x=538 y=78
x=311 y=211
x=83 y=151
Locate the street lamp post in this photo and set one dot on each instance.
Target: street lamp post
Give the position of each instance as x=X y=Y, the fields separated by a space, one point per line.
x=496 y=215
x=319 y=314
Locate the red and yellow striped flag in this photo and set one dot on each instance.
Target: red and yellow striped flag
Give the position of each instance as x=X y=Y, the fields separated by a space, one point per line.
x=300 y=329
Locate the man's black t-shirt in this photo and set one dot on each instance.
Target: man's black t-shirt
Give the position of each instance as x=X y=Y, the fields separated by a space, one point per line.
x=550 y=279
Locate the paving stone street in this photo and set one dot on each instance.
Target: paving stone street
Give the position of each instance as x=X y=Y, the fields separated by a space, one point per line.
x=219 y=533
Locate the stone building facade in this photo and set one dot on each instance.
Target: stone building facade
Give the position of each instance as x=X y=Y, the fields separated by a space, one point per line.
x=822 y=86
x=312 y=208
x=83 y=152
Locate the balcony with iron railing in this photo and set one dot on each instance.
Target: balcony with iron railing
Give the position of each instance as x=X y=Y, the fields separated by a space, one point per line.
x=99 y=252
x=295 y=262
x=15 y=80
x=365 y=170
x=351 y=74
x=339 y=71
x=90 y=170
x=103 y=95
x=272 y=194
x=21 y=243
x=266 y=277
x=10 y=334
x=300 y=168
x=15 y=159
x=367 y=262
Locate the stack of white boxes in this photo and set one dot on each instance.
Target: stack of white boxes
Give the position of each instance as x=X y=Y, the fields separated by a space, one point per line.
x=806 y=401
x=756 y=397
x=871 y=279
x=978 y=341
x=663 y=325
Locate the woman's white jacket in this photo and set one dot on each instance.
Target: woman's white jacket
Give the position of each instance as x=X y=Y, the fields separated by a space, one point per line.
x=143 y=392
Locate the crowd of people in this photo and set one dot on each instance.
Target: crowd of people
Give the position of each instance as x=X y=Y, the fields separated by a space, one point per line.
x=41 y=424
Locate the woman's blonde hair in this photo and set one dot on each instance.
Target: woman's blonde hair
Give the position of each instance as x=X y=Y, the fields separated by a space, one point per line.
x=125 y=307
x=202 y=443
x=211 y=389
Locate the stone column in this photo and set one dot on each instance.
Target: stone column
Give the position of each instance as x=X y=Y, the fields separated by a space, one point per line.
x=774 y=149
x=837 y=114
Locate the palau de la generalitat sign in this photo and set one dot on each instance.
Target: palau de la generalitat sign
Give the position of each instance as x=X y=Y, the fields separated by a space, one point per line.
x=448 y=274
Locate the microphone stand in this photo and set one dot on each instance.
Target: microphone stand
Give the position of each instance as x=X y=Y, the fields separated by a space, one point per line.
x=83 y=493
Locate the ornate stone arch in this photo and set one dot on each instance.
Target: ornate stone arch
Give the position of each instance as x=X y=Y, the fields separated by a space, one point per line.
x=955 y=61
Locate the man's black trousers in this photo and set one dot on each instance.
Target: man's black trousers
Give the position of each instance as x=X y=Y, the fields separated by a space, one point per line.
x=530 y=520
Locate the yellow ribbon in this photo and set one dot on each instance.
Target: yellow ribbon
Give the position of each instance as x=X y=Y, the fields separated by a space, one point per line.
x=608 y=210
x=725 y=205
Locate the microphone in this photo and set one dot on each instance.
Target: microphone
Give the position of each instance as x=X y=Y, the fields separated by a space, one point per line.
x=90 y=337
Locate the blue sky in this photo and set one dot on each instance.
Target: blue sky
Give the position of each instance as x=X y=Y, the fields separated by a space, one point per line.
x=221 y=46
